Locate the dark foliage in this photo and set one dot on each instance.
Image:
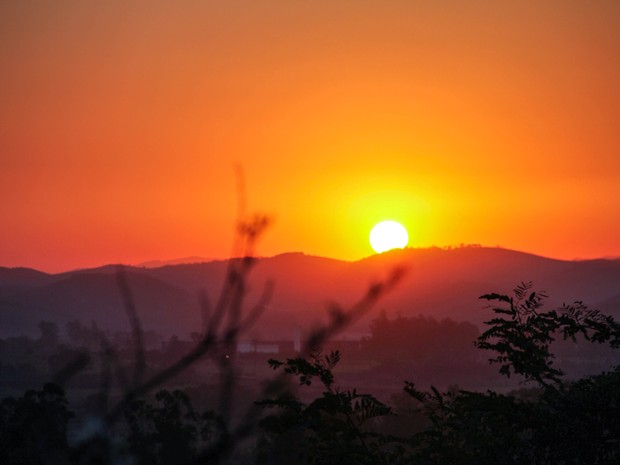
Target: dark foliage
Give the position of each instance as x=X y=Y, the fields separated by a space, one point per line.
x=330 y=429
x=33 y=427
x=522 y=332
x=576 y=425
x=424 y=339
x=563 y=423
x=170 y=431
x=305 y=418
x=557 y=423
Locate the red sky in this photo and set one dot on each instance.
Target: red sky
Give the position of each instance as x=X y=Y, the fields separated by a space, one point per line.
x=468 y=121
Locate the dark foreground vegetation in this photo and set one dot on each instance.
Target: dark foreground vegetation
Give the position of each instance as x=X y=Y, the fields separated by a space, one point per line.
x=140 y=406
x=552 y=421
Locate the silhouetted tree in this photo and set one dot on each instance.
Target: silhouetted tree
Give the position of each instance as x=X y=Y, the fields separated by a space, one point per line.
x=419 y=339
x=330 y=429
x=33 y=428
x=48 y=334
x=564 y=423
x=170 y=431
x=559 y=422
x=521 y=332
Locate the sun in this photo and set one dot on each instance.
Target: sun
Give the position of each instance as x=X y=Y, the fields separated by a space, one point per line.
x=388 y=235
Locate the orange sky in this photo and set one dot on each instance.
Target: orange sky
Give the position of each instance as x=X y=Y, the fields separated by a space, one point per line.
x=468 y=121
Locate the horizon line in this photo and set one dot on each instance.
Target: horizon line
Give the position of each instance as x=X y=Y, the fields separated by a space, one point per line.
x=145 y=264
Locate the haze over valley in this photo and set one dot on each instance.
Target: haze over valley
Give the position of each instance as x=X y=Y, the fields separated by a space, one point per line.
x=440 y=283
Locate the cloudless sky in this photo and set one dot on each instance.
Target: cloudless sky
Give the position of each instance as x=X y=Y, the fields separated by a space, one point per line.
x=468 y=121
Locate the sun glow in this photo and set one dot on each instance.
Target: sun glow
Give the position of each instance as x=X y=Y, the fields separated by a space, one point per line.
x=388 y=235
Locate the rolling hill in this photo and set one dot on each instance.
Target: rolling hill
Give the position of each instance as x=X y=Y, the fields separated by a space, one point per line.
x=440 y=283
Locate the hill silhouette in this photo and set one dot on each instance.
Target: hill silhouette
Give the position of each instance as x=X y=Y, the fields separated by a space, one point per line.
x=442 y=283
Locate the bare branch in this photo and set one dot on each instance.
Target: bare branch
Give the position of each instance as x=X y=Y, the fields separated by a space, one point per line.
x=134 y=321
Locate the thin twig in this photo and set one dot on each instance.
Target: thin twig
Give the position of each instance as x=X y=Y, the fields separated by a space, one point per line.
x=136 y=327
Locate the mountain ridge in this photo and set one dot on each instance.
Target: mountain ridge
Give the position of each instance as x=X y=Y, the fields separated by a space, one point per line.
x=443 y=283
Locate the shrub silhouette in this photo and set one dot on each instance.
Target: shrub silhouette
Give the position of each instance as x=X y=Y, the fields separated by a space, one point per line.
x=170 y=431
x=328 y=430
x=556 y=422
x=522 y=331
x=33 y=427
x=559 y=422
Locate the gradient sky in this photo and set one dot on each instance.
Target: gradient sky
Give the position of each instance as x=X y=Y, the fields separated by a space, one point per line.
x=469 y=121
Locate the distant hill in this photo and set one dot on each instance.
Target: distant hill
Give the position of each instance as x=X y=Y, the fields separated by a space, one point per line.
x=439 y=282
x=15 y=278
x=94 y=296
x=175 y=261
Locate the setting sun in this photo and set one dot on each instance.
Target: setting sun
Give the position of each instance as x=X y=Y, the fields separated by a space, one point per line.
x=131 y=122
x=388 y=235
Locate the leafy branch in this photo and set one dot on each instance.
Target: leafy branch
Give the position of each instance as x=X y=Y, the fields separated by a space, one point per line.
x=522 y=332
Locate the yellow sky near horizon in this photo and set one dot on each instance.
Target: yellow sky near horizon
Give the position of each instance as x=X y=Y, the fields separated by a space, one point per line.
x=468 y=121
